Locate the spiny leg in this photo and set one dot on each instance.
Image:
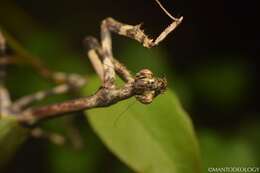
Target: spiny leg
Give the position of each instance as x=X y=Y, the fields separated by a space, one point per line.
x=134 y=32
x=105 y=50
x=5 y=100
x=108 y=25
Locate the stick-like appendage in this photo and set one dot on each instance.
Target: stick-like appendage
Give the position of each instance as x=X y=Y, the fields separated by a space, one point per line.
x=75 y=82
x=92 y=45
x=136 y=33
x=95 y=56
x=107 y=56
x=122 y=71
x=165 y=11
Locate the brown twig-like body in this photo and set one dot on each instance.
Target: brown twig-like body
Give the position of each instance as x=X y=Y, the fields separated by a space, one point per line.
x=144 y=86
x=140 y=87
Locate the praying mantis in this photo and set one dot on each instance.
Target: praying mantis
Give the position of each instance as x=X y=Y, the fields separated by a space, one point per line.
x=144 y=86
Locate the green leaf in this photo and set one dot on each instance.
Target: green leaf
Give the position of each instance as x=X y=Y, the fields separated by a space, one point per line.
x=11 y=136
x=220 y=150
x=151 y=138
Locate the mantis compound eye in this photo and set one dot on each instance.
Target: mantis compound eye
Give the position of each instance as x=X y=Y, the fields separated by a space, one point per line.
x=147 y=87
x=144 y=73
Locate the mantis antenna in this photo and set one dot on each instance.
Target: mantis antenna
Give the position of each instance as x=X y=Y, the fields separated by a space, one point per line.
x=166 y=12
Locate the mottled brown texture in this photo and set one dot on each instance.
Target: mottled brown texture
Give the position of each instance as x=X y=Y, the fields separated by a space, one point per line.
x=135 y=32
x=143 y=86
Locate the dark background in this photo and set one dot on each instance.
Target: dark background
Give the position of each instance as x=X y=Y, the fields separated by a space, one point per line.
x=211 y=59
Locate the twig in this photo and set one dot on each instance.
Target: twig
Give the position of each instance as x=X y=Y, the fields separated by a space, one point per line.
x=34 y=61
x=69 y=81
x=75 y=82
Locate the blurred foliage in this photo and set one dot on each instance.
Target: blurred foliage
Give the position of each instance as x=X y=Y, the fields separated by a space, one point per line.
x=225 y=151
x=241 y=149
x=225 y=84
x=86 y=159
x=11 y=136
